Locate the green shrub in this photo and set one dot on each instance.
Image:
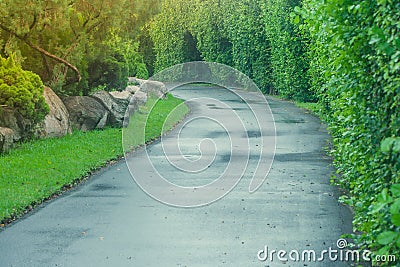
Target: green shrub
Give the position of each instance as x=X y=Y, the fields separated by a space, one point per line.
x=113 y=61
x=355 y=69
x=289 y=60
x=22 y=90
x=109 y=72
x=141 y=71
x=256 y=37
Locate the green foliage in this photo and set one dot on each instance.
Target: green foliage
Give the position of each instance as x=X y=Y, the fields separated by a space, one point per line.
x=75 y=31
x=391 y=144
x=22 y=90
x=345 y=54
x=113 y=60
x=168 y=35
x=207 y=24
x=253 y=36
x=146 y=46
x=289 y=60
x=245 y=27
x=355 y=68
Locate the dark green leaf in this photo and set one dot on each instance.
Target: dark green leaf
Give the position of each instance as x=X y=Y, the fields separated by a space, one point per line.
x=395 y=189
x=387 y=144
x=386 y=237
x=396 y=219
x=395 y=207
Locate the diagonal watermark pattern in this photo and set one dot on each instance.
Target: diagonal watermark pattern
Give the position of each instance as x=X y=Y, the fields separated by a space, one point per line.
x=230 y=132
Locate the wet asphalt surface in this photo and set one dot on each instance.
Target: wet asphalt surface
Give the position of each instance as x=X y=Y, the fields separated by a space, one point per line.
x=110 y=221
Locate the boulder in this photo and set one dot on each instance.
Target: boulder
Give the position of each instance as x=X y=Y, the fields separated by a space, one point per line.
x=11 y=118
x=154 y=88
x=132 y=107
x=57 y=122
x=132 y=89
x=124 y=95
x=116 y=106
x=7 y=139
x=135 y=81
x=139 y=99
x=150 y=87
x=86 y=113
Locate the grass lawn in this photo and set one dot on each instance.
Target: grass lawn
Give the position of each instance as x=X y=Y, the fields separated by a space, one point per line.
x=37 y=170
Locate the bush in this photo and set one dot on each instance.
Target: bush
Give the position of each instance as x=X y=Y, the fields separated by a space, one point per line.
x=289 y=60
x=355 y=70
x=113 y=61
x=22 y=90
x=256 y=37
x=109 y=72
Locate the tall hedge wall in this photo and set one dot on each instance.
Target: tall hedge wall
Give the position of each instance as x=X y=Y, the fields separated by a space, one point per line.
x=344 y=54
x=355 y=47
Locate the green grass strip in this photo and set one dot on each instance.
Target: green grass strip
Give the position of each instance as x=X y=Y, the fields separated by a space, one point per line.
x=314 y=108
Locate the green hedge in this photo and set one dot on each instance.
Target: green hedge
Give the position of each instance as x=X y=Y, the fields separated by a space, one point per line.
x=355 y=47
x=345 y=54
x=256 y=37
x=289 y=60
x=22 y=90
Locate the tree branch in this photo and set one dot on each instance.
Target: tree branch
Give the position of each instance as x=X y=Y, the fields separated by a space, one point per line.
x=44 y=52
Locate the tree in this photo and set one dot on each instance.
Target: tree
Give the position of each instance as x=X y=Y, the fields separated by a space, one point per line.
x=61 y=39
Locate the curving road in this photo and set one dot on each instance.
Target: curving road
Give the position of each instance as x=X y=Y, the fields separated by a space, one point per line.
x=110 y=221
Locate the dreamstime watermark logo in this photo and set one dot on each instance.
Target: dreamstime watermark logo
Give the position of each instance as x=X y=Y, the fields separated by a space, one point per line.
x=229 y=134
x=340 y=253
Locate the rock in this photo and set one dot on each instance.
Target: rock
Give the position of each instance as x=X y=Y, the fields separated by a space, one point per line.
x=136 y=81
x=86 y=113
x=116 y=106
x=124 y=95
x=7 y=139
x=57 y=122
x=150 y=87
x=154 y=88
x=127 y=95
x=10 y=118
x=132 y=89
x=139 y=99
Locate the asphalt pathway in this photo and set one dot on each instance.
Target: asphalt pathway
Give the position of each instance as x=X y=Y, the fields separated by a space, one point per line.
x=110 y=221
